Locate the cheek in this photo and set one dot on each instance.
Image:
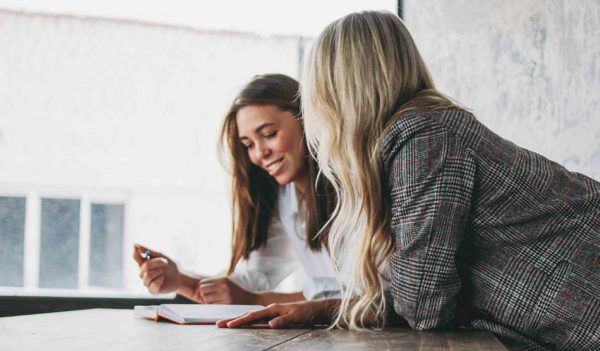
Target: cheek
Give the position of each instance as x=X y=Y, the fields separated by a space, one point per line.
x=251 y=156
x=290 y=143
x=294 y=148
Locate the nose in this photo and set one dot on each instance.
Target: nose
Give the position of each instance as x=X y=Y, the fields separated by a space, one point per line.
x=261 y=151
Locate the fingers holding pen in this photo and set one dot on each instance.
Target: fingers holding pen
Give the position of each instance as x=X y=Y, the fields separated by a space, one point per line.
x=138 y=250
x=141 y=254
x=158 y=272
x=152 y=273
x=155 y=263
x=149 y=275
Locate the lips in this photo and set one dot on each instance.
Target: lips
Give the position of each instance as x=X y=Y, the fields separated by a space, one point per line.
x=274 y=166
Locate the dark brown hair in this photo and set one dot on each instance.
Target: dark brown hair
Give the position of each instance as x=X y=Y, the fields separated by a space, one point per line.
x=254 y=191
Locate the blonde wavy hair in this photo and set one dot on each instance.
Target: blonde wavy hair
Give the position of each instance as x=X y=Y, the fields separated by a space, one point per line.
x=364 y=70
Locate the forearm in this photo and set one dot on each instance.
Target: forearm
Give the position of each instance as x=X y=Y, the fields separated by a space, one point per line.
x=328 y=309
x=266 y=298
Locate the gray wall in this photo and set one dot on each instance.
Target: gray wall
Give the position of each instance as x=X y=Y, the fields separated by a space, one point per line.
x=529 y=69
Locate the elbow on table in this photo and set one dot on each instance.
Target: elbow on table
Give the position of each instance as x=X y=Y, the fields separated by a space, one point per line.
x=429 y=323
x=424 y=320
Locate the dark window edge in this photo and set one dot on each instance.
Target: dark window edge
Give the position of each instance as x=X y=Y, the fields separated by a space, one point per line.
x=400 y=9
x=23 y=305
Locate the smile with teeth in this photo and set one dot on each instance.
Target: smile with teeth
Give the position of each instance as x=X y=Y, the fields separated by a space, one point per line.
x=273 y=166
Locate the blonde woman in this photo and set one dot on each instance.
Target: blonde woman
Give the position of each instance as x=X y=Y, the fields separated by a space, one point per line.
x=278 y=205
x=469 y=227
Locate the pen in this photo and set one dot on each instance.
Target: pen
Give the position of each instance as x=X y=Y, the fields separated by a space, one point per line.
x=146 y=255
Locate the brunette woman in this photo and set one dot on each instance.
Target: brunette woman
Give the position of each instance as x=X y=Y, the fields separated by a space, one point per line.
x=278 y=204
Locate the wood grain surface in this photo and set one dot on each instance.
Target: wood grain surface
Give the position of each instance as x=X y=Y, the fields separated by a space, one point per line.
x=113 y=329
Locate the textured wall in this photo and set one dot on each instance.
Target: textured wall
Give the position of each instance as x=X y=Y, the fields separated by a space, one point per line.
x=102 y=107
x=529 y=69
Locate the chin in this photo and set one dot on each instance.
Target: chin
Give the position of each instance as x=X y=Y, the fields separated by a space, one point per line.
x=283 y=180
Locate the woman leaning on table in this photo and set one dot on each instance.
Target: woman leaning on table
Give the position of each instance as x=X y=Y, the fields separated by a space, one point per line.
x=278 y=207
x=471 y=228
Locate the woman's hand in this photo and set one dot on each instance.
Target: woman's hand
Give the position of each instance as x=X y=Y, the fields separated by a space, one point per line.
x=160 y=274
x=285 y=314
x=223 y=291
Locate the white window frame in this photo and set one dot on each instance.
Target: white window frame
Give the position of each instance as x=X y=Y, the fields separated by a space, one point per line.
x=32 y=232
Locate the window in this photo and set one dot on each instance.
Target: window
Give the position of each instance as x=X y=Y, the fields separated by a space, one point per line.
x=110 y=117
x=106 y=246
x=12 y=240
x=77 y=244
x=59 y=249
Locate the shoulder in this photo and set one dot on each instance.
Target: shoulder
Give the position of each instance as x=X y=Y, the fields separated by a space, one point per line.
x=410 y=123
x=436 y=125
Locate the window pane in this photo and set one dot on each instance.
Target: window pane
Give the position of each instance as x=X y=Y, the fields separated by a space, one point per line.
x=12 y=232
x=106 y=246
x=59 y=251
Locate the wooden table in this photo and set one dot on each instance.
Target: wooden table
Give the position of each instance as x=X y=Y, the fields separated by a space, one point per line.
x=111 y=329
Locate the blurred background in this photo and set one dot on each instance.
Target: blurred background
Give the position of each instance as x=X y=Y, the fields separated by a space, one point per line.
x=110 y=114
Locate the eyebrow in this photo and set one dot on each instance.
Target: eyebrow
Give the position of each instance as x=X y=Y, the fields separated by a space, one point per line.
x=259 y=128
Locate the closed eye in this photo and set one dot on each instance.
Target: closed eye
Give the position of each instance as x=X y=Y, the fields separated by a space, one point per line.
x=271 y=135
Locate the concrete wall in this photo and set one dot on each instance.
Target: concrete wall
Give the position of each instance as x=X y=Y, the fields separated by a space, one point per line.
x=529 y=69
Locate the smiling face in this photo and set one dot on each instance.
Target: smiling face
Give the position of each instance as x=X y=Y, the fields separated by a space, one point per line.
x=274 y=141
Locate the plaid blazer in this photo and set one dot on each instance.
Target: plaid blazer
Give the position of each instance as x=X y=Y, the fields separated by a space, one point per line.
x=481 y=222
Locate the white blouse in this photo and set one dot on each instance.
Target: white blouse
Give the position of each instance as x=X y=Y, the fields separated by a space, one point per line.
x=285 y=251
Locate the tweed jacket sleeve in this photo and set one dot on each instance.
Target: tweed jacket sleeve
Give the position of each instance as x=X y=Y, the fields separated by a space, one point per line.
x=430 y=180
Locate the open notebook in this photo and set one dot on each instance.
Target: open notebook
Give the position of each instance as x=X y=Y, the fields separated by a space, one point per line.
x=193 y=313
